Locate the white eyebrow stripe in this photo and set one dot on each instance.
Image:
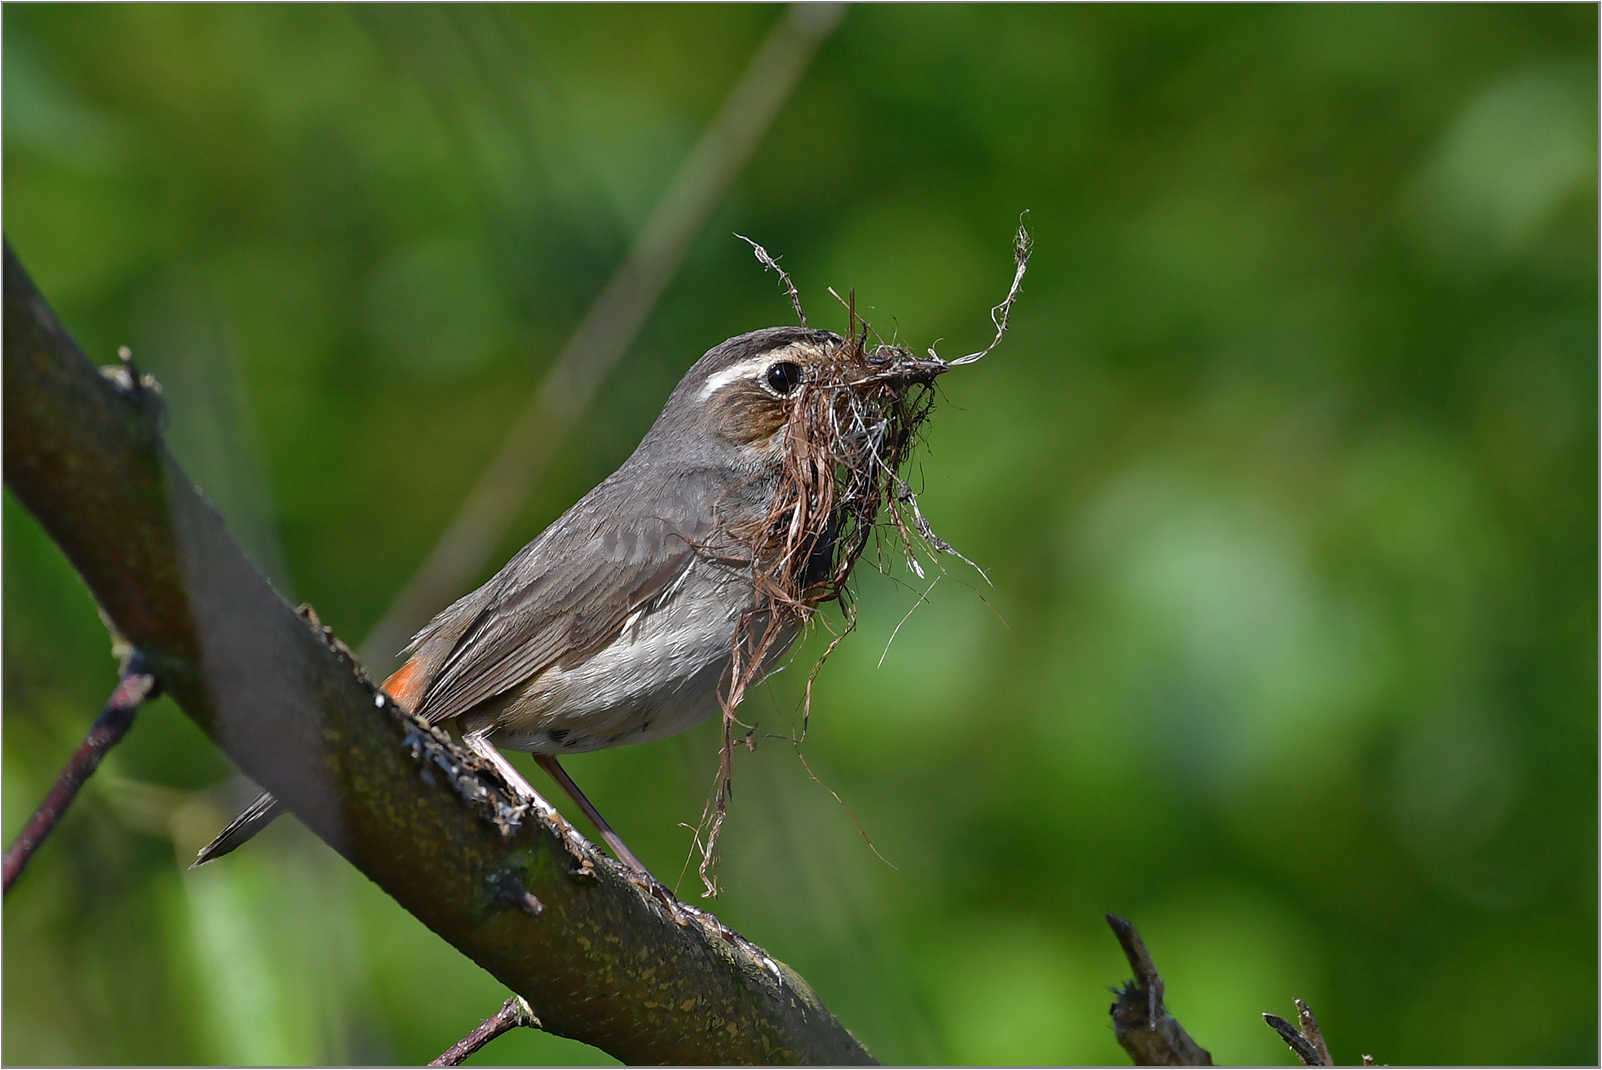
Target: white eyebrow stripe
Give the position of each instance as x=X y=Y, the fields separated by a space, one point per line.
x=737 y=371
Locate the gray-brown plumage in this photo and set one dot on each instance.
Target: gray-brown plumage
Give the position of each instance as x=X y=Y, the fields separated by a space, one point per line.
x=619 y=622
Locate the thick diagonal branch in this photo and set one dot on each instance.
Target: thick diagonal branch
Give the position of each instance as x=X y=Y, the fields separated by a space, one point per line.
x=646 y=979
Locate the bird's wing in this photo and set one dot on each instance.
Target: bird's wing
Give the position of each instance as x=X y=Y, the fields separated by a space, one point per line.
x=563 y=597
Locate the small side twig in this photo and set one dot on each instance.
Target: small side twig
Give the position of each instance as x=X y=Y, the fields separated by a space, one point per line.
x=136 y=686
x=1141 y=1023
x=1304 y=1038
x=513 y=1013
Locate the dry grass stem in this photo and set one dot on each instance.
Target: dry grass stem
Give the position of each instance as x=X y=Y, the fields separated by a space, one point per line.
x=771 y=263
x=1022 y=246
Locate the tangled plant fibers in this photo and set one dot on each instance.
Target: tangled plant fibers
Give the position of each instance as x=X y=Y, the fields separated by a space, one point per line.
x=852 y=425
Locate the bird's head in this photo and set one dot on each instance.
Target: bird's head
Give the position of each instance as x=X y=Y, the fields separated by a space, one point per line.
x=819 y=426
x=746 y=394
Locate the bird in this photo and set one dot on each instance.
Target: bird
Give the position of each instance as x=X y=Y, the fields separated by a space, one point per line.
x=623 y=621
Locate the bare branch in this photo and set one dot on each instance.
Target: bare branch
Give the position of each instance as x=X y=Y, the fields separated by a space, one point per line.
x=1150 y=1035
x=611 y=323
x=1310 y=1030
x=1305 y=1038
x=133 y=689
x=608 y=960
x=513 y=1013
x=1304 y=1048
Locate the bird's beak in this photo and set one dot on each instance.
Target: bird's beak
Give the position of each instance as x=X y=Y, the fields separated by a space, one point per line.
x=920 y=369
x=904 y=369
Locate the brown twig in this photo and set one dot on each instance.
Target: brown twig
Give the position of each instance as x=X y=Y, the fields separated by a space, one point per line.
x=136 y=685
x=1150 y=1035
x=1305 y=1038
x=513 y=1013
x=1308 y=1040
x=1302 y=1046
x=611 y=323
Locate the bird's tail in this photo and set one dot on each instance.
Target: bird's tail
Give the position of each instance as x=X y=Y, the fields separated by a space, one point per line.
x=257 y=816
x=405 y=686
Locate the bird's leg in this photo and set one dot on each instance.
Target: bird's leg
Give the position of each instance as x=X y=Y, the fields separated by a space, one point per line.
x=549 y=763
x=576 y=845
x=481 y=746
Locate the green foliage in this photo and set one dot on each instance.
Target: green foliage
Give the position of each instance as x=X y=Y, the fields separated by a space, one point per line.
x=1285 y=479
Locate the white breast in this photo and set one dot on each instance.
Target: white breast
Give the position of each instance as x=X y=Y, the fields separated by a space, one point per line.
x=660 y=676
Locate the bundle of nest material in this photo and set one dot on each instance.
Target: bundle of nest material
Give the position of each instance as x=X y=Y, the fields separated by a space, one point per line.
x=852 y=427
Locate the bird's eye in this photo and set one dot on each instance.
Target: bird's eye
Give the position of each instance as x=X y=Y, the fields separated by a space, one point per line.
x=783 y=377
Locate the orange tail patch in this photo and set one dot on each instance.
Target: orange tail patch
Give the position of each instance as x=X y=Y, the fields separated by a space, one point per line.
x=406 y=685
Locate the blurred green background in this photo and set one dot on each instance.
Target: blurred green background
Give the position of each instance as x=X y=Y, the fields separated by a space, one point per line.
x=1286 y=480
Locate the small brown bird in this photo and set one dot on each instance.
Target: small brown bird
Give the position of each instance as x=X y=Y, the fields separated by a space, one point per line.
x=656 y=599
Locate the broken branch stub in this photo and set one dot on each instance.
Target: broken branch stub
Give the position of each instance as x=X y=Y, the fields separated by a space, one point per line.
x=1141 y=1022
x=1305 y=1037
x=1300 y=1045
